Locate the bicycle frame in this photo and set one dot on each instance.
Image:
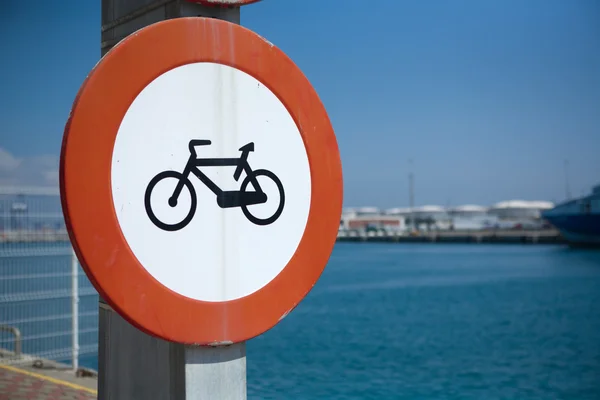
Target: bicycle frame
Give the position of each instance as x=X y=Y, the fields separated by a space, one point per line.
x=243 y=197
x=193 y=166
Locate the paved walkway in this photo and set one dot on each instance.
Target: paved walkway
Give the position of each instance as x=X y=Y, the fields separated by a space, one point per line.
x=21 y=383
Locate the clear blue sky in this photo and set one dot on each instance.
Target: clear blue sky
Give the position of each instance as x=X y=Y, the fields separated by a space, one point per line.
x=488 y=98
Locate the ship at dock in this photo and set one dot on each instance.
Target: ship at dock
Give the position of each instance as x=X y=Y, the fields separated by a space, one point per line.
x=578 y=220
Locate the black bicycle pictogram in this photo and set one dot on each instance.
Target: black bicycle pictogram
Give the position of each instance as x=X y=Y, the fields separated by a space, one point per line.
x=225 y=199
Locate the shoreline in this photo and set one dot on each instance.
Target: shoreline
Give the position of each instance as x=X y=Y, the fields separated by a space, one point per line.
x=461 y=237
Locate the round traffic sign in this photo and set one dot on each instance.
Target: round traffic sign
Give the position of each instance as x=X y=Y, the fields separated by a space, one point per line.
x=201 y=181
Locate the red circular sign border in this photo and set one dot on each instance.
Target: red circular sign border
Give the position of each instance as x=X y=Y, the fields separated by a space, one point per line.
x=86 y=192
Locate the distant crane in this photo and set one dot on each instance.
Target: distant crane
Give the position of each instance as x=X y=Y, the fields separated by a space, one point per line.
x=411 y=194
x=567 y=188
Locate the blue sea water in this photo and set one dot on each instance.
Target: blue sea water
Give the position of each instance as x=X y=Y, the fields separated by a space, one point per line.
x=390 y=321
x=429 y=321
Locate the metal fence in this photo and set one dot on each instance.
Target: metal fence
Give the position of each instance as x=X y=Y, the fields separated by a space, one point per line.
x=48 y=308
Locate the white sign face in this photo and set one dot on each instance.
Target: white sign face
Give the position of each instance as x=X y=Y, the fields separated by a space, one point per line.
x=211 y=182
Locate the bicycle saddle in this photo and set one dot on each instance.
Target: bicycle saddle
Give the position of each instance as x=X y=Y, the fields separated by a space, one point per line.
x=199 y=142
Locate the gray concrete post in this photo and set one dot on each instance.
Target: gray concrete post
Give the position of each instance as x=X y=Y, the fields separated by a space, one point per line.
x=215 y=372
x=131 y=364
x=121 y=18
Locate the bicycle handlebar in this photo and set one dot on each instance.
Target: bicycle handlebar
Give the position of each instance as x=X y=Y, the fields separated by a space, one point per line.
x=245 y=150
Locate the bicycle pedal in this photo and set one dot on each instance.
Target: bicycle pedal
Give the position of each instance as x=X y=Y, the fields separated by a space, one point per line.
x=229 y=199
x=235 y=198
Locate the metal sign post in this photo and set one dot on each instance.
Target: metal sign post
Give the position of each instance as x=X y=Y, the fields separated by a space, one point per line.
x=202 y=188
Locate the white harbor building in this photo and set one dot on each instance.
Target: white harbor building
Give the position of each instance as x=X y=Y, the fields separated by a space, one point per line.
x=512 y=214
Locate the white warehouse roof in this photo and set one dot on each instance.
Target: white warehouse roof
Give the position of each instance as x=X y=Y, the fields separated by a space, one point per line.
x=421 y=209
x=524 y=204
x=367 y=210
x=398 y=210
x=469 y=208
x=429 y=209
x=360 y=210
x=510 y=204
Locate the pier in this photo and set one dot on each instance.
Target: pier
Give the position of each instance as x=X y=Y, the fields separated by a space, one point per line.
x=31 y=377
x=548 y=236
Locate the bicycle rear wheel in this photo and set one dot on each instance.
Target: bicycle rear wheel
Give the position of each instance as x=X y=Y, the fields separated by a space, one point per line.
x=245 y=208
x=179 y=223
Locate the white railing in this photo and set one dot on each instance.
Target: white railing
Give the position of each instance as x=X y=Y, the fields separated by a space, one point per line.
x=48 y=308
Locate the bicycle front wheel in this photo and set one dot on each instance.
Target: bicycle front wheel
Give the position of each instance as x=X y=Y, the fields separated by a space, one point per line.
x=174 y=214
